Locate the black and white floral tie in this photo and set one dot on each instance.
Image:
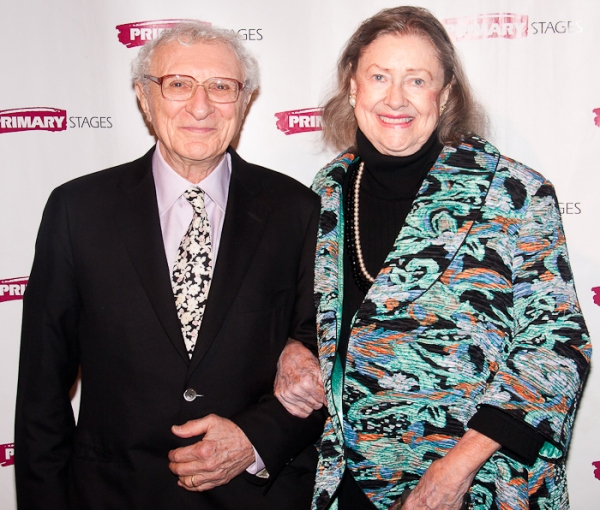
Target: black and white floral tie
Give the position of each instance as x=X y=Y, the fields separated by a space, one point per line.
x=192 y=270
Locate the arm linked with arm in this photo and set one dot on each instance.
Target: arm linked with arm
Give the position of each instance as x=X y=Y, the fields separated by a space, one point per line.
x=277 y=435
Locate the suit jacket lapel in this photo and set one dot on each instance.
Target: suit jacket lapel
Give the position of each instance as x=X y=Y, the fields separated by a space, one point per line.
x=245 y=219
x=139 y=224
x=442 y=215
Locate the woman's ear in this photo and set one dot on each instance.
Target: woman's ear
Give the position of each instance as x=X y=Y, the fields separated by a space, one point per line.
x=445 y=94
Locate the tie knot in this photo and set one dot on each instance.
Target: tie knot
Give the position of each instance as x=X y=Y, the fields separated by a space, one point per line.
x=195 y=196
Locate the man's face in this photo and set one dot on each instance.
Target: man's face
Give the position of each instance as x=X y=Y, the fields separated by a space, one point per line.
x=193 y=133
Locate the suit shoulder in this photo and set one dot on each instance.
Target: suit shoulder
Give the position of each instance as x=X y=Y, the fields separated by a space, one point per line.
x=109 y=177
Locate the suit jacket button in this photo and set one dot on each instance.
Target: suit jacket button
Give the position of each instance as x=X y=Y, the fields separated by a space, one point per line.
x=190 y=394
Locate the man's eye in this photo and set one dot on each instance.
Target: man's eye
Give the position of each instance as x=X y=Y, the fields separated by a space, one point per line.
x=221 y=87
x=179 y=84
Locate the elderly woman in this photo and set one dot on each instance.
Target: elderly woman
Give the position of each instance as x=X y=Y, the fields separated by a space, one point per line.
x=452 y=345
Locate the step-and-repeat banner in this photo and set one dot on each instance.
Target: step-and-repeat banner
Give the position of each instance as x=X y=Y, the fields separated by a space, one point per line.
x=67 y=108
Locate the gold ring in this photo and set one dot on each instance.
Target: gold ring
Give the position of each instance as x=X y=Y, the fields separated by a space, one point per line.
x=192 y=480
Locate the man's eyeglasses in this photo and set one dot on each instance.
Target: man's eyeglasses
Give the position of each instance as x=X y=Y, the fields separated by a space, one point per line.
x=178 y=87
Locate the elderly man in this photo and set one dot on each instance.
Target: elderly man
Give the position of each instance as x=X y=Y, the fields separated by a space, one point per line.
x=173 y=283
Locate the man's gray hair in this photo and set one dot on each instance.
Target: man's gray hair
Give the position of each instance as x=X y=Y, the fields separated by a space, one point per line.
x=192 y=32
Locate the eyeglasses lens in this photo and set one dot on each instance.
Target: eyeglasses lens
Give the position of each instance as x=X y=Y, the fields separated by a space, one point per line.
x=218 y=90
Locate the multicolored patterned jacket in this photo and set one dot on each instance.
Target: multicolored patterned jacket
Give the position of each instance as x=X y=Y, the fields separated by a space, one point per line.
x=474 y=305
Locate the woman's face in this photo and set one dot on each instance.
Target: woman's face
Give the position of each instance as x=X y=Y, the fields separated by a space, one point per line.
x=398 y=88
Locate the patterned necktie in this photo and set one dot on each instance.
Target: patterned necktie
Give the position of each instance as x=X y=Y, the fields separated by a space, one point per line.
x=192 y=270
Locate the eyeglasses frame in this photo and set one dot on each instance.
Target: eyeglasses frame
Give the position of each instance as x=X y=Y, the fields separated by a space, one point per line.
x=159 y=81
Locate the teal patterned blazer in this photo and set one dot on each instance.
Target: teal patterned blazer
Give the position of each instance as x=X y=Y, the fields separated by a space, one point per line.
x=475 y=305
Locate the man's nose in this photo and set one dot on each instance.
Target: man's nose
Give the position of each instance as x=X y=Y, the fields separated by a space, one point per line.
x=199 y=106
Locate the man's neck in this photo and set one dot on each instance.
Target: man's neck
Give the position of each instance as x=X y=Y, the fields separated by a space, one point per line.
x=193 y=171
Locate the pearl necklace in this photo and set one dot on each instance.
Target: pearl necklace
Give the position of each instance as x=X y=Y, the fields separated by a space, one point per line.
x=356 y=227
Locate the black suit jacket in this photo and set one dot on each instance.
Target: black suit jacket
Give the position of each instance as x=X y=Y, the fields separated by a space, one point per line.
x=99 y=298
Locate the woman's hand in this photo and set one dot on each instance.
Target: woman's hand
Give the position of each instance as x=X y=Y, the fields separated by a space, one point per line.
x=445 y=483
x=298 y=384
x=441 y=487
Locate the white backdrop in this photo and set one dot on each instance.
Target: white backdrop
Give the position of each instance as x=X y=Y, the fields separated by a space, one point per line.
x=67 y=108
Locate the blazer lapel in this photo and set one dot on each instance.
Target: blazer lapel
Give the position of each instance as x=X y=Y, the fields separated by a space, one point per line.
x=139 y=224
x=328 y=262
x=442 y=215
x=245 y=220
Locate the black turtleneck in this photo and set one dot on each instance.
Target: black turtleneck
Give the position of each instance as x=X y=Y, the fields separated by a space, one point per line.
x=388 y=189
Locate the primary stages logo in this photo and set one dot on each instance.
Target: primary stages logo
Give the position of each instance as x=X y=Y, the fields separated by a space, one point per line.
x=556 y=27
x=33 y=119
x=596 y=297
x=569 y=207
x=48 y=119
x=487 y=26
x=596 y=469
x=505 y=26
x=93 y=122
x=138 y=34
x=13 y=288
x=7 y=454
x=299 y=121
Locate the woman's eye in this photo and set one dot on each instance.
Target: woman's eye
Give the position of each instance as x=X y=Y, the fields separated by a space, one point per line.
x=378 y=77
x=419 y=82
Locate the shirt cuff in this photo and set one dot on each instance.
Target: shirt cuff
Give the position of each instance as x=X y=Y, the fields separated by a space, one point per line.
x=257 y=468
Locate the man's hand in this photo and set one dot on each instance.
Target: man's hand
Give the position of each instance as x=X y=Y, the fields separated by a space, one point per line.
x=298 y=384
x=445 y=483
x=223 y=453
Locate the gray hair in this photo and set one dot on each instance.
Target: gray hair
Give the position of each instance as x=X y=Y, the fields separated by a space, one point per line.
x=192 y=32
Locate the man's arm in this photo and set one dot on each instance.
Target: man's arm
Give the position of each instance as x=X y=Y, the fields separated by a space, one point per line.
x=48 y=367
x=277 y=436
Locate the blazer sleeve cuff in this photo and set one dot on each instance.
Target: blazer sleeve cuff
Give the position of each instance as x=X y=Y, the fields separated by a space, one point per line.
x=277 y=436
x=518 y=439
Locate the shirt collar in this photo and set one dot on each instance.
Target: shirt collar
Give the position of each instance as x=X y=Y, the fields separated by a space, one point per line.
x=170 y=185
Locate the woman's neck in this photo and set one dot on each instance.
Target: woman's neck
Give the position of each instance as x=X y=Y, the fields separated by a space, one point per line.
x=394 y=177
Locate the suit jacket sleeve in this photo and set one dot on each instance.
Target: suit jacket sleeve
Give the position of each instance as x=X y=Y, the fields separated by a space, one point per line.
x=48 y=366
x=540 y=380
x=277 y=435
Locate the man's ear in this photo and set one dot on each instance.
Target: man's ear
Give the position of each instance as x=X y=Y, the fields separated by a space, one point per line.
x=143 y=99
x=247 y=100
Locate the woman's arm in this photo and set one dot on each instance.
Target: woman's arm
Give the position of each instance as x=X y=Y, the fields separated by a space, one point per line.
x=298 y=384
x=445 y=483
